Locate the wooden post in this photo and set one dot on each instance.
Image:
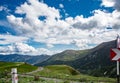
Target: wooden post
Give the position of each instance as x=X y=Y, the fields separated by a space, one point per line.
x=14 y=75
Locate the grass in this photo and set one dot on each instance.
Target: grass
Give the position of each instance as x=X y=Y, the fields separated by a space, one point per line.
x=31 y=80
x=68 y=73
x=64 y=73
x=28 y=80
x=22 y=67
x=58 y=71
x=5 y=70
x=62 y=69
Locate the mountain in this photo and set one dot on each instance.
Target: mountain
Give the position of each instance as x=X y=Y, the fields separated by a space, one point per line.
x=95 y=61
x=64 y=57
x=23 y=58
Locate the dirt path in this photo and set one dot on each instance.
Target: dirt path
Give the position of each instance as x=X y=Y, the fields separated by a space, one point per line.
x=37 y=70
x=30 y=74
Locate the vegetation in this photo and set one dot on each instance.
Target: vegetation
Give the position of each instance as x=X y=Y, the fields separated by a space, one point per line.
x=57 y=71
x=95 y=61
x=5 y=70
x=62 y=74
x=68 y=73
x=64 y=57
x=21 y=66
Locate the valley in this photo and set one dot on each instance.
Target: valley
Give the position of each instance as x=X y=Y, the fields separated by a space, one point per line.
x=70 y=66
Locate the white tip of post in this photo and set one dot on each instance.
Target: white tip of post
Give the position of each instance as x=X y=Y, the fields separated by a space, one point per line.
x=14 y=75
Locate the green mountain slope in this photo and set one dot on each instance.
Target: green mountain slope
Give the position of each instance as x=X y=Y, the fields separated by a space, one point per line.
x=68 y=73
x=64 y=57
x=68 y=55
x=95 y=61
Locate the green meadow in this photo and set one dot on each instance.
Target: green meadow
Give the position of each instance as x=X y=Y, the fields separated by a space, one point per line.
x=48 y=74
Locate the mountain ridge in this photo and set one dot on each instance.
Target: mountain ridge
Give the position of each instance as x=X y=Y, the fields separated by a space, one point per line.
x=90 y=61
x=23 y=58
x=93 y=61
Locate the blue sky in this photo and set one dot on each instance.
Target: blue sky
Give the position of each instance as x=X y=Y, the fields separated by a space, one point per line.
x=34 y=27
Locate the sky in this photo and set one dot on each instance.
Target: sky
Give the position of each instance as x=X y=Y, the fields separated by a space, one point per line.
x=35 y=27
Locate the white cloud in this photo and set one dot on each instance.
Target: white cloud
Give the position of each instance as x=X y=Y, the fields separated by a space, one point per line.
x=117 y=4
x=17 y=48
x=50 y=45
x=111 y=3
x=108 y=3
x=44 y=51
x=31 y=22
x=100 y=20
x=2 y=8
x=52 y=30
x=8 y=39
x=61 y=5
x=24 y=49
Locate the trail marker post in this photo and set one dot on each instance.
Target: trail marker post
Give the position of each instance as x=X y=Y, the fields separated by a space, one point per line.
x=14 y=75
x=115 y=56
x=118 y=46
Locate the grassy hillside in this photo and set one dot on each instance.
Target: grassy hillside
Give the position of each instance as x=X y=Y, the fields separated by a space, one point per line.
x=68 y=55
x=94 y=61
x=50 y=74
x=21 y=66
x=59 y=69
x=68 y=73
x=97 y=61
x=64 y=57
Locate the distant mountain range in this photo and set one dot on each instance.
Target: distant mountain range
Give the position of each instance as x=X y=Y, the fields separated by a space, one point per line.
x=23 y=58
x=94 y=61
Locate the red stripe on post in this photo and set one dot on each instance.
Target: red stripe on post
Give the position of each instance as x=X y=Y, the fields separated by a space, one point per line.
x=112 y=54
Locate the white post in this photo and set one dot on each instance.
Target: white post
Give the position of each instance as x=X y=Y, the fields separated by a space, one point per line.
x=117 y=67
x=118 y=46
x=14 y=75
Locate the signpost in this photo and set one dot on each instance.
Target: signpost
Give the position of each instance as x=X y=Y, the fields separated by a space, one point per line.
x=14 y=75
x=115 y=56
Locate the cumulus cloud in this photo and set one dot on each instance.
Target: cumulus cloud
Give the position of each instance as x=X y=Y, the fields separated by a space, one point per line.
x=44 y=51
x=100 y=20
x=17 y=48
x=8 y=39
x=33 y=9
x=117 y=4
x=108 y=3
x=24 y=49
x=79 y=31
x=111 y=3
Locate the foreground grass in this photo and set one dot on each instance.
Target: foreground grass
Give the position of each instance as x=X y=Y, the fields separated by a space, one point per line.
x=55 y=74
x=28 y=80
x=68 y=73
